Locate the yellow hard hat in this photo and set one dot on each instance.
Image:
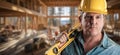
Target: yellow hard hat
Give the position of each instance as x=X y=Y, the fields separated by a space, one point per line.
x=97 y=6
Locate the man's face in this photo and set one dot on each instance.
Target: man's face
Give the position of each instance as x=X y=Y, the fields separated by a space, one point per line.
x=92 y=23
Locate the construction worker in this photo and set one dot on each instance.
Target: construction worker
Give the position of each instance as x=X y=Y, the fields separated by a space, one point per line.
x=92 y=40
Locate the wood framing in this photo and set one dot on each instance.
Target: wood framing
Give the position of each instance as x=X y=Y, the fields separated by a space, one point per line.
x=9 y=6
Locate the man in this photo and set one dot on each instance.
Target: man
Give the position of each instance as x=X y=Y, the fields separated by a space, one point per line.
x=92 y=40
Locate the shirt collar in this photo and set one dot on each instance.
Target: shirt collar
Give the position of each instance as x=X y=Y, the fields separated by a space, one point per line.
x=104 y=42
x=80 y=37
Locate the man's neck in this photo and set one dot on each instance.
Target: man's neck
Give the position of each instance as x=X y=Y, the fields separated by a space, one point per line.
x=93 y=38
x=91 y=41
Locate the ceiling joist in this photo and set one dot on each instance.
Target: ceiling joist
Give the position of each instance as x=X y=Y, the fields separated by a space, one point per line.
x=12 y=7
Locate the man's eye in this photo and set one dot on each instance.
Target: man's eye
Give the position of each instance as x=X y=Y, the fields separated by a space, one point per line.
x=88 y=17
x=98 y=17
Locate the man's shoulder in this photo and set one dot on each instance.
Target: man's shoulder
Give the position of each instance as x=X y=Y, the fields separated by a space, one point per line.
x=114 y=44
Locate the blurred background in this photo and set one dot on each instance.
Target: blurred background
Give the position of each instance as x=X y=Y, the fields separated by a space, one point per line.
x=29 y=27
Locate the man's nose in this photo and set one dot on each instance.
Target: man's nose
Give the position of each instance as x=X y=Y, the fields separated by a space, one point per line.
x=93 y=20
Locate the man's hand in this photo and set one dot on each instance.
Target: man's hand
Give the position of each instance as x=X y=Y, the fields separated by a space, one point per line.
x=62 y=39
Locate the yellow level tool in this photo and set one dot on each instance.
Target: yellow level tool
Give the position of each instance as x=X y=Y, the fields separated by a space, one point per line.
x=55 y=50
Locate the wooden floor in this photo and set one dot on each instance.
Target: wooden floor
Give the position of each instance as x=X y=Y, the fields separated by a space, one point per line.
x=35 y=52
x=17 y=46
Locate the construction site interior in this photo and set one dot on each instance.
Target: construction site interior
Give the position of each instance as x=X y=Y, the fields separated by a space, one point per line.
x=29 y=27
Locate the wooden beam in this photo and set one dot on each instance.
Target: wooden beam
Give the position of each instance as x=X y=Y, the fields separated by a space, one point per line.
x=18 y=2
x=42 y=3
x=31 y=7
x=113 y=10
x=12 y=13
x=18 y=23
x=35 y=5
x=4 y=20
x=61 y=16
x=4 y=12
x=26 y=24
x=21 y=23
x=63 y=3
x=13 y=7
x=37 y=23
x=111 y=3
x=32 y=22
x=0 y=20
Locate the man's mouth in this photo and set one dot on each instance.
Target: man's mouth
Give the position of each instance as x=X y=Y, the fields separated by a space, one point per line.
x=92 y=28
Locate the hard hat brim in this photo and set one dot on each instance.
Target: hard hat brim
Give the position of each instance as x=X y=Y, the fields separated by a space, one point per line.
x=95 y=11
